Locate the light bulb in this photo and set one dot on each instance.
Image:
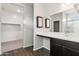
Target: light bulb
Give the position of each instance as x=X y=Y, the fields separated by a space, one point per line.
x=18 y=11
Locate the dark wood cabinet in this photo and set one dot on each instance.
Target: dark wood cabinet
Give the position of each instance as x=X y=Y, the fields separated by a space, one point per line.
x=71 y=52
x=59 y=47
x=57 y=50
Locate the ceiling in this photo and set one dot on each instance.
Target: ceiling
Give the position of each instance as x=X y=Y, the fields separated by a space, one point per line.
x=28 y=4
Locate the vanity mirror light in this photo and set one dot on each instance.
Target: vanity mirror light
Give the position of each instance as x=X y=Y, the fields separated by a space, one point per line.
x=47 y=23
x=39 y=21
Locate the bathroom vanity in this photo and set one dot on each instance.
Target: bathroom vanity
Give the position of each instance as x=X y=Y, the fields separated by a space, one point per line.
x=60 y=45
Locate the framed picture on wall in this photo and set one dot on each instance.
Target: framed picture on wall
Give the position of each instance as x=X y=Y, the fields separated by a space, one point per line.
x=39 y=21
x=47 y=23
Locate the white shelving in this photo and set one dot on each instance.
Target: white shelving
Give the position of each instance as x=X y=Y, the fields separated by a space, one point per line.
x=10 y=32
x=12 y=8
x=16 y=26
x=11 y=22
x=13 y=18
x=11 y=26
x=7 y=23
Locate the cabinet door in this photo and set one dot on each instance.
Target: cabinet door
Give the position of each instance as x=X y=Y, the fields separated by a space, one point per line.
x=71 y=52
x=57 y=50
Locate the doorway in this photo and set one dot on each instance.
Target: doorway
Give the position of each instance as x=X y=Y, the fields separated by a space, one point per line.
x=56 y=26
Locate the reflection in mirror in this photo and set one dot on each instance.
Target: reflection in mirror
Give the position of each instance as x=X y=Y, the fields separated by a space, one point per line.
x=68 y=21
x=72 y=21
x=56 y=26
x=56 y=23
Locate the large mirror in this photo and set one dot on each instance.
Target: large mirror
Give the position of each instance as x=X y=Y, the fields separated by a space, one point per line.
x=67 y=21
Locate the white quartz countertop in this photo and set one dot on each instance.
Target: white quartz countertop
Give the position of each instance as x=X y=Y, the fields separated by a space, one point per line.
x=60 y=35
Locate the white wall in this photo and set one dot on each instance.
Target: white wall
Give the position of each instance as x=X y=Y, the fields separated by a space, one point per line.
x=38 y=11
x=40 y=42
x=0 y=30
x=28 y=26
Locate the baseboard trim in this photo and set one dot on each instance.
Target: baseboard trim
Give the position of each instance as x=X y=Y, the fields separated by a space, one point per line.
x=46 y=48
x=27 y=46
x=0 y=52
x=37 y=48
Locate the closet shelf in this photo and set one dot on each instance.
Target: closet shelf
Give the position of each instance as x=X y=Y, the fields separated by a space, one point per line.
x=10 y=23
x=10 y=40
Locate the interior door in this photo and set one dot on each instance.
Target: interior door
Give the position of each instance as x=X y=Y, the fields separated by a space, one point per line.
x=56 y=26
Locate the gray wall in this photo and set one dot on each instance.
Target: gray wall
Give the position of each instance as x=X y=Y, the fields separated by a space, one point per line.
x=28 y=26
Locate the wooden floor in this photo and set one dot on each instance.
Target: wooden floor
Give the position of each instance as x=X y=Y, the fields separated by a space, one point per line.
x=27 y=52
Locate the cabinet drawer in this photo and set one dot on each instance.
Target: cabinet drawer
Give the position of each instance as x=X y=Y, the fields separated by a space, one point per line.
x=60 y=47
x=57 y=50
x=71 y=52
